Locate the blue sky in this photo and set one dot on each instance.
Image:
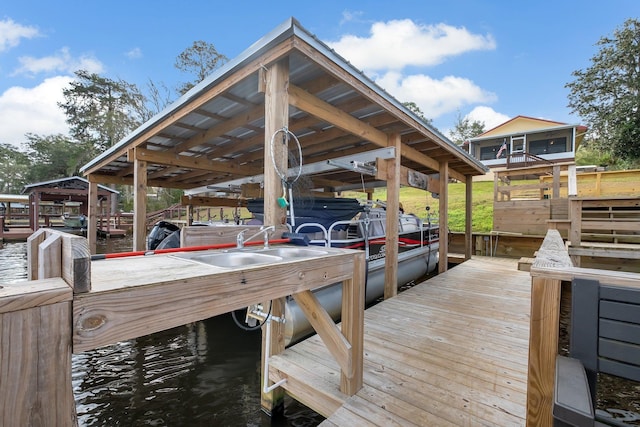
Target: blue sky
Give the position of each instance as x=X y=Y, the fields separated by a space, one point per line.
x=489 y=61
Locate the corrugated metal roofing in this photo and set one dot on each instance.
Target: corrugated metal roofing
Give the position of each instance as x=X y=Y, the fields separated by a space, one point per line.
x=72 y=182
x=220 y=122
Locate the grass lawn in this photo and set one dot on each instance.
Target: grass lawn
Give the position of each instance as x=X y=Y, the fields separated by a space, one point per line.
x=415 y=201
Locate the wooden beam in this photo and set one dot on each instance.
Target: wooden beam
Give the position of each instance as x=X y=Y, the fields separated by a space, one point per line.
x=543 y=348
x=393 y=209
x=327 y=112
x=139 y=205
x=193 y=162
x=92 y=214
x=35 y=360
x=111 y=179
x=69 y=191
x=242 y=73
x=353 y=301
x=468 y=218
x=544 y=325
x=385 y=104
x=33 y=260
x=324 y=325
x=331 y=67
x=556 y=182
x=50 y=257
x=417 y=156
x=228 y=125
x=212 y=201
x=534 y=170
x=276 y=117
x=443 y=211
x=572 y=181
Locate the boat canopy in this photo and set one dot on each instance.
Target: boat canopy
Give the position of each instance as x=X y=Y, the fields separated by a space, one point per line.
x=323 y=211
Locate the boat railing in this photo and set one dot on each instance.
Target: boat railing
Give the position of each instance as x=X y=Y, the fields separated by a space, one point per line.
x=338 y=233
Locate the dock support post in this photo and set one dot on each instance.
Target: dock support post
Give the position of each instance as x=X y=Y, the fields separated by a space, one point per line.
x=92 y=220
x=353 y=325
x=139 y=204
x=443 y=213
x=393 y=208
x=543 y=348
x=543 y=329
x=275 y=83
x=468 y=218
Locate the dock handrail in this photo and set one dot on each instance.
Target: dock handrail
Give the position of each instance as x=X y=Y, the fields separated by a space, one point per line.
x=551 y=267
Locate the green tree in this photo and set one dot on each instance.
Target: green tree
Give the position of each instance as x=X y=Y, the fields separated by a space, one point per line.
x=607 y=94
x=102 y=111
x=413 y=107
x=465 y=128
x=158 y=98
x=55 y=156
x=200 y=59
x=15 y=168
x=588 y=153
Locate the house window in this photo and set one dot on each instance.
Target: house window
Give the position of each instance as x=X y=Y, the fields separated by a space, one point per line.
x=548 y=146
x=518 y=144
x=489 y=152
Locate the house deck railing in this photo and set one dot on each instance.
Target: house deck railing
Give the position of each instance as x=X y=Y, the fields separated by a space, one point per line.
x=523 y=160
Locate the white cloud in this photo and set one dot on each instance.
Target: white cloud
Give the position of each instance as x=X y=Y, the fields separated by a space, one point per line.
x=32 y=110
x=400 y=43
x=60 y=62
x=488 y=115
x=351 y=16
x=134 y=53
x=434 y=97
x=11 y=33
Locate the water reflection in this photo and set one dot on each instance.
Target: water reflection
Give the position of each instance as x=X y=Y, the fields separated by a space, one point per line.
x=204 y=373
x=13 y=262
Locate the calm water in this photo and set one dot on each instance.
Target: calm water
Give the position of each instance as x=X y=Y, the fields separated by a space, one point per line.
x=201 y=374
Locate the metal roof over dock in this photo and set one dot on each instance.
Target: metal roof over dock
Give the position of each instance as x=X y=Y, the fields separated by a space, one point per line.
x=215 y=133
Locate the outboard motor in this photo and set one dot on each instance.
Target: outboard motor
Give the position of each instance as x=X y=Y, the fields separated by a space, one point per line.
x=160 y=231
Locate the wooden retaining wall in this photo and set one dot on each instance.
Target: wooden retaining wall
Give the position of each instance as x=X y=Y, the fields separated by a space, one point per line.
x=522 y=216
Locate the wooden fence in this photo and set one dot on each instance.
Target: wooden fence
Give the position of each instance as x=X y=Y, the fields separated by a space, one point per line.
x=601 y=184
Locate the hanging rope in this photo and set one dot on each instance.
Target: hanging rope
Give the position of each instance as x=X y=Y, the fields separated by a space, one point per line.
x=294 y=161
x=286 y=133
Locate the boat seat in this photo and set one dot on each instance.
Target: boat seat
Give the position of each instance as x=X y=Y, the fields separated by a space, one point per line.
x=604 y=338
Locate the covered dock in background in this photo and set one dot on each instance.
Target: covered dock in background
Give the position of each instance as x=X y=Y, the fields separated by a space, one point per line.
x=14 y=216
x=64 y=197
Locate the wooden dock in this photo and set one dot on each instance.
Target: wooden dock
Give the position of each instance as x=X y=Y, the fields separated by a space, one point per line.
x=450 y=351
x=111 y=232
x=15 y=233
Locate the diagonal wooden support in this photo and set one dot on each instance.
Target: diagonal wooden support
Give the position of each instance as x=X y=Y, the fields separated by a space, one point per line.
x=346 y=345
x=336 y=343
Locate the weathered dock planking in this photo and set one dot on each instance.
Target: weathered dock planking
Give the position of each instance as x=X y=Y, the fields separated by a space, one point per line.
x=450 y=351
